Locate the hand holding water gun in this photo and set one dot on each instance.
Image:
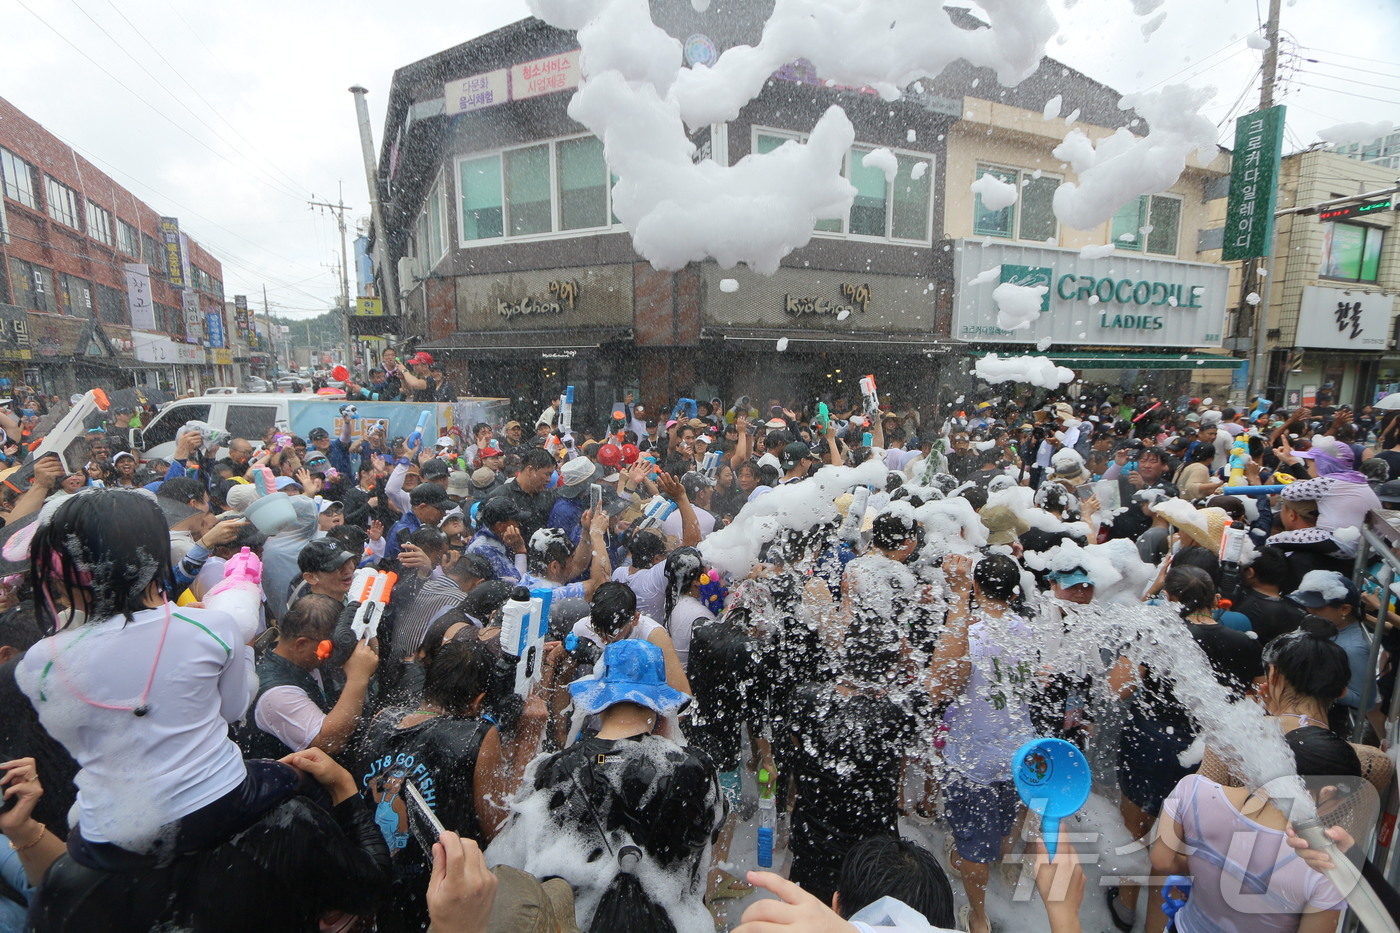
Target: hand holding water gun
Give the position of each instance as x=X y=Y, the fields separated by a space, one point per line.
x=870 y=396
x=566 y=412
x=415 y=440
x=370 y=589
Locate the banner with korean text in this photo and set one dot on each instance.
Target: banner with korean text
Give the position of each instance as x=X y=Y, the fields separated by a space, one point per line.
x=1249 y=217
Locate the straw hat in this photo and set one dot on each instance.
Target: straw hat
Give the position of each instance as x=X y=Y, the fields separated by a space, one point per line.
x=1004 y=526
x=1215 y=520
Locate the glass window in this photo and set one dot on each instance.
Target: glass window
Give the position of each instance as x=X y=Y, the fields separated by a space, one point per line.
x=986 y=222
x=436 y=237
x=152 y=255
x=1126 y=232
x=111 y=305
x=1037 y=208
x=1351 y=252
x=910 y=213
x=1165 y=220
x=99 y=222
x=170 y=421
x=483 y=210
x=420 y=246
x=767 y=142
x=868 y=211
x=249 y=421
x=20 y=179
x=128 y=240
x=33 y=285
x=63 y=203
x=583 y=184
x=75 y=297
x=528 y=190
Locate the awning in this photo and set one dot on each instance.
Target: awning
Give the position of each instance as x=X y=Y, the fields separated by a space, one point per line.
x=537 y=344
x=1092 y=360
x=766 y=338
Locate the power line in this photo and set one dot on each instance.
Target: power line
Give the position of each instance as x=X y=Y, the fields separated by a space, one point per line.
x=161 y=84
x=1198 y=63
x=1360 y=58
x=1333 y=90
x=218 y=112
x=1369 y=71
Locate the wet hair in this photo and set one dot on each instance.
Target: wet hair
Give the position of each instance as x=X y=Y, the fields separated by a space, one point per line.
x=110 y=545
x=1053 y=497
x=433 y=638
x=1231 y=505
x=976 y=495
x=537 y=458
x=428 y=538
x=1375 y=470
x=1192 y=587
x=998 y=576
x=486 y=599
x=1312 y=663
x=458 y=675
x=767 y=474
x=614 y=605
x=313 y=616
x=1202 y=558
x=1321 y=752
x=1204 y=453
x=182 y=489
x=683 y=568
x=1270 y=567
x=893 y=481
x=645 y=548
x=886 y=866
x=892 y=529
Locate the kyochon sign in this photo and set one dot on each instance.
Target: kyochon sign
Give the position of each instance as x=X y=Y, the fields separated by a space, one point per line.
x=1116 y=300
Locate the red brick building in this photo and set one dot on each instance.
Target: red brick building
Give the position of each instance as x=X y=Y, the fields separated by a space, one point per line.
x=69 y=239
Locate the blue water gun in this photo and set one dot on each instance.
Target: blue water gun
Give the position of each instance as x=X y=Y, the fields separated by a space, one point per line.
x=566 y=412
x=416 y=438
x=712 y=591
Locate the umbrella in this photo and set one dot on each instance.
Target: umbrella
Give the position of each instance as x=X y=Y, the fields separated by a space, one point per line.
x=138 y=396
x=1390 y=403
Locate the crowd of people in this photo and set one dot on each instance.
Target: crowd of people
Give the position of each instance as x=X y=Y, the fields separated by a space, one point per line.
x=601 y=644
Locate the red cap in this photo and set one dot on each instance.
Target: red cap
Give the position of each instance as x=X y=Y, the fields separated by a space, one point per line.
x=425 y=359
x=488 y=452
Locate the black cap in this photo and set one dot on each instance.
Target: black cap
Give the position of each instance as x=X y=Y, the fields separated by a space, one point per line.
x=317 y=434
x=495 y=510
x=429 y=494
x=474 y=565
x=434 y=468
x=324 y=555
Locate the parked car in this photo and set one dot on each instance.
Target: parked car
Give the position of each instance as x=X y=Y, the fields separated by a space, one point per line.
x=222 y=390
x=285 y=383
x=256 y=384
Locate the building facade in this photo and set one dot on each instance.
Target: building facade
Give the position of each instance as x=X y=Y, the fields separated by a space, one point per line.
x=1383 y=151
x=1331 y=332
x=516 y=273
x=96 y=287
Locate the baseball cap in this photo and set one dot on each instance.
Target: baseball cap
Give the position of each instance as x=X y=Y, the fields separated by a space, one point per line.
x=1073 y=577
x=796 y=452
x=482 y=477
x=425 y=359
x=317 y=434
x=324 y=555
x=486 y=453
x=430 y=494
x=322 y=505
x=1320 y=588
x=446 y=441
x=512 y=424
x=694 y=481
x=434 y=468
x=459 y=483
x=285 y=481
x=574 y=476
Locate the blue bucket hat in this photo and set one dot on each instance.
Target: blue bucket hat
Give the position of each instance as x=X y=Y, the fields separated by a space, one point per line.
x=631 y=671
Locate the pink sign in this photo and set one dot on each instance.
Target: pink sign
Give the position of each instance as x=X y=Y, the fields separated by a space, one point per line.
x=544 y=76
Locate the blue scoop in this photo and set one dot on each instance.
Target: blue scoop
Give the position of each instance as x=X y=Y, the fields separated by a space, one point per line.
x=1052 y=777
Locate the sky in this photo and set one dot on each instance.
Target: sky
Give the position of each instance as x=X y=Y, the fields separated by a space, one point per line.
x=233 y=116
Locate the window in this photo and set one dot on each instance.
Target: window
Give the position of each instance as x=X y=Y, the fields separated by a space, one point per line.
x=898 y=211
x=249 y=421
x=111 y=305
x=1031 y=217
x=21 y=180
x=128 y=240
x=170 y=421
x=1351 y=252
x=99 y=224
x=33 y=285
x=1153 y=222
x=75 y=296
x=431 y=239
x=63 y=203
x=152 y=255
x=548 y=188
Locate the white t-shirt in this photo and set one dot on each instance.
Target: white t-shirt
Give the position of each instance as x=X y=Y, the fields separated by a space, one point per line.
x=583 y=628
x=682 y=622
x=671 y=524
x=139 y=773
x=650 y=587
x=290 y=715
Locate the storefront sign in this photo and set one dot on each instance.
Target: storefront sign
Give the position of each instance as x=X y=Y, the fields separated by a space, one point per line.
x=477 y=92
x=1249 y=215
x=1117 y=300
x=527 y=306
x=856 y=297
x=1344 y=319
x=214 y=326
x=369 y=307
x=158 y=348
x=174 y=255
x=595 y=296
x=138 y=295
x=14 y=334
x=221 y=357
x=544 y=76
x=814 y=300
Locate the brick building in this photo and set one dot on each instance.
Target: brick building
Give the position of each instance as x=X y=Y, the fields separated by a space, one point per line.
x=79 y=254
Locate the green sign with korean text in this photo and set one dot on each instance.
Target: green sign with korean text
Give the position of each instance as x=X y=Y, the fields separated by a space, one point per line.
x=1249 y=217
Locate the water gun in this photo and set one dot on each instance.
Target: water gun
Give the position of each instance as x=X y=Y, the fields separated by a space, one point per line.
x=767 y=817
x=618 y=426
x=566 y=412
x=264 y=480
x=69 y=429
x=524 y=624
x=1170 y=905
x=416 y=438
x=1233 y=542
x=239 y=593
x=370 y=591
x=870 y=395
x=1239 y=456
x=710 y=464
x=1258 y=490
x=712 y=591
x=350 y=411
x=657 y=511
x=685 y=406
x=855 y=514
x=823 y=418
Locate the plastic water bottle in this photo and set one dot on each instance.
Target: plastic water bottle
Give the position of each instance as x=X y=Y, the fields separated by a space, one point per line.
x=767 y=818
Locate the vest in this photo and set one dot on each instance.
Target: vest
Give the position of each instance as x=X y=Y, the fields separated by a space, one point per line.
x=276 y=671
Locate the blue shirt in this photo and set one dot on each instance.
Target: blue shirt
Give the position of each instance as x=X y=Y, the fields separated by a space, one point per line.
x=567 y=514
x=1354 y=642
x=494 y=550
x=410 y=523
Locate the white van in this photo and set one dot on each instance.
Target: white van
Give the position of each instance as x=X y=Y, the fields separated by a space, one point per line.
x=241 y=415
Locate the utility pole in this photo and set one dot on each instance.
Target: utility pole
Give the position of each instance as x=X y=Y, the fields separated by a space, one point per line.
x=271 y=337
x=1250 y=278
x=381 y=233
x=339 y=210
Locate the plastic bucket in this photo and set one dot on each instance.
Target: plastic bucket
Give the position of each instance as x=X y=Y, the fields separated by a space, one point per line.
x=272 y=513
x=1052 y=777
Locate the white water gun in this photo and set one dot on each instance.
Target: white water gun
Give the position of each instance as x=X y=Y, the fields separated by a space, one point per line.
x=60 y=437
x=371 y=589
x=524 y=624
x=657 y=511
x=870 y=395
x=566 y=412
x=240 y=593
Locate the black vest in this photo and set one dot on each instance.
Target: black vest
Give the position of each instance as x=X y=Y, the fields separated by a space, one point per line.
x=276 y=671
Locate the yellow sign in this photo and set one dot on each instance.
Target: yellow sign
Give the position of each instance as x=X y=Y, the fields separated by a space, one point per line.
x=222 y=356
x=369 y=307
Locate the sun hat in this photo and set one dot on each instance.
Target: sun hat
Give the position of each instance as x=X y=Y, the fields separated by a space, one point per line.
x=1004 y=526
x=285 y=481
x=482 y=478
x=460 y=484
x=574 y=477
x=631 y=671
x=1072 y=577
x=1207 y=529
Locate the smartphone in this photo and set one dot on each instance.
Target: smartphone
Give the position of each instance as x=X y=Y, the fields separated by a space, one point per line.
x=1084 y=491
x=595 y=498
x=421 y=818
